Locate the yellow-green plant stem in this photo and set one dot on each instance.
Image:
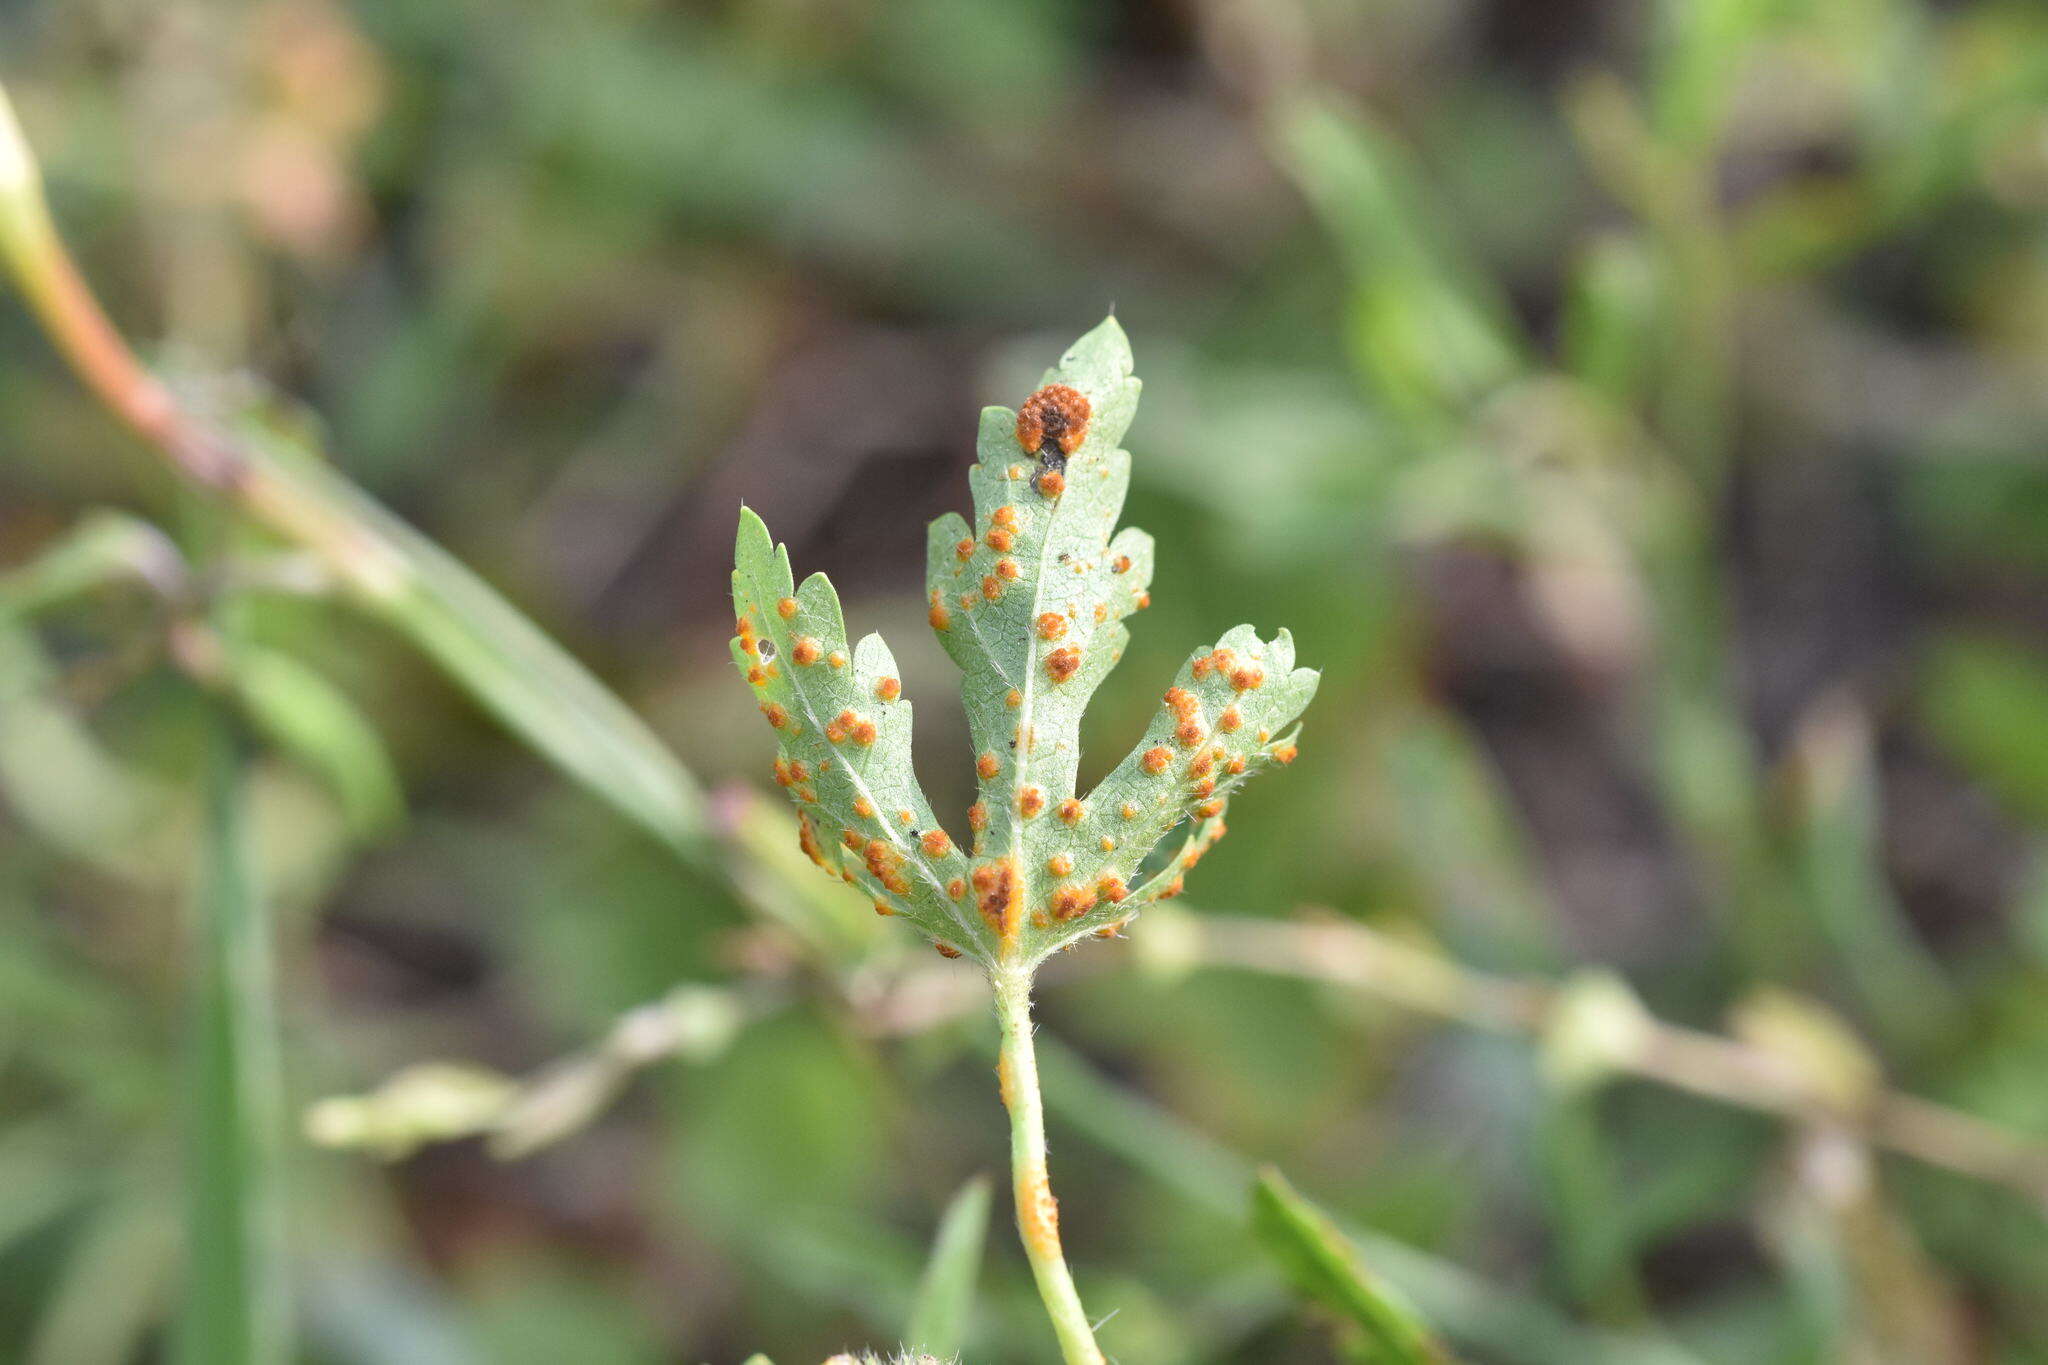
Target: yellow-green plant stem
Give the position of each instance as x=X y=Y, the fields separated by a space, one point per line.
x=1038 y=1219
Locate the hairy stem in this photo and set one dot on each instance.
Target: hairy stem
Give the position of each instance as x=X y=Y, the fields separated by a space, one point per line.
x=1038 y=1219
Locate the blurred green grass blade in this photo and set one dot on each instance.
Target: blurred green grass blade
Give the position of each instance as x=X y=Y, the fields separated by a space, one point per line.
x=1429 y=336
x=1837 y=861
x=1580 y=1184
x=111 y=1288
x=945 y=1298
x=1701 y=46
x=493 y=652
x=1610 y=319
x=1505 y=1325
x=104 y=547
x=1325 y=1267
x=59 y=780
x=525 y=679
x=309 y=718
x=236 y=1309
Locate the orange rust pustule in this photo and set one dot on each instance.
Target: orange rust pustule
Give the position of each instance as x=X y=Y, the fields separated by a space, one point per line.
x=1285 y=754
x=946 y=949
x=997 y=896
x=1072 y=902
x=1057 y=415
x=1051 y=483
x=939 y=617
x=1038 y=1214
x=1000 y=539
x=786 y=608
x=888 y=689
x=1070 y=811
x=807 y=840
x=977 y=817
x=807 y=651
x=1030 y=802
x=937 y=843
x=1157 y=758
x=777 y=717
x=1112 y=888
x=1059 y=864
x=1063 y=663
x=1051 y=625
x=988 y=765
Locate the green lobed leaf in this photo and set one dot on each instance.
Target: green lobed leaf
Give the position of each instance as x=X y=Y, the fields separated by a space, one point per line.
x=1326 y=1267
x=1030 y=600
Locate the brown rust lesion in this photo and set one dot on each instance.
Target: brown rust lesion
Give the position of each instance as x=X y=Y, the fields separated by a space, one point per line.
x=1056 y=416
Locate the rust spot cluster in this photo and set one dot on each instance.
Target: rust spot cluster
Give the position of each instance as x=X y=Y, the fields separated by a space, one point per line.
x=1030 y=802
x=888 y=689
x=851 y=725
x=885 y=863
x=1063 y=663
x=807 y=651
x=1157 y=759
x=1051 y=625
x=936 y=843
x=1056 y=415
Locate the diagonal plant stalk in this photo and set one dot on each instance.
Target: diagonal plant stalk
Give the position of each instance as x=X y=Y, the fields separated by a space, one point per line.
x=382 y=565
x=1029 y=600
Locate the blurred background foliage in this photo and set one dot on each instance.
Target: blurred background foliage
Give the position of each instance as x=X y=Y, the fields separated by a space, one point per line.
x=1637 y=411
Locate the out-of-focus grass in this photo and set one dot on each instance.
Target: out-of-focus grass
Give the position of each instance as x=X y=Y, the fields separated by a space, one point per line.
x=1644 y=399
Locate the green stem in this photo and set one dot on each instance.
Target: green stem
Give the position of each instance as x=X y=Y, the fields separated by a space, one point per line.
x=1038 y=1221
x=236 y=1308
